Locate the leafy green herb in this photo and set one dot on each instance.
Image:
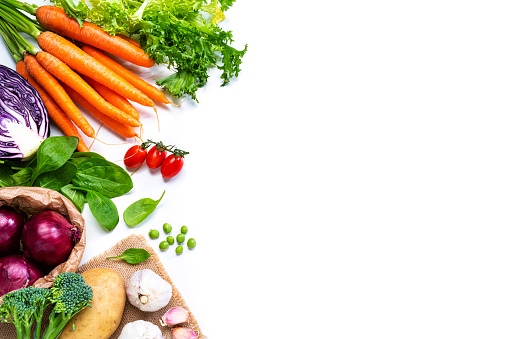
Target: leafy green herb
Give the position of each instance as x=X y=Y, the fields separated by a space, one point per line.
x=5 y=177
x=104 y=177
x=52 y=154
x=22 y=177
x=58 y=178
x=77 y=197
x=102 y=208
x=140 y=210
x=133 y=255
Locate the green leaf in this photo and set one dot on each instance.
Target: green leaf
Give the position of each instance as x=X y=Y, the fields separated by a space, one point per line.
x=53 y=153
x=76 y=197
x=22 y=177
x=140 y=210
x=102 y=208
x=5 y=177
x=58 y=178
x=78 y=157
x=133 y=256
x=104 y=177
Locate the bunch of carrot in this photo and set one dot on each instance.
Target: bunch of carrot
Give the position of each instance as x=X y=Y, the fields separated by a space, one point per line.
x=65 y=74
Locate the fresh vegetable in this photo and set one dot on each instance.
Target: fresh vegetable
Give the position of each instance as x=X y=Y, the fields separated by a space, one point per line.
x=181 y=238
x=24 y=120
x=167 y=228
x=55 y=112
x=175 y=316
x=183 y=229
x=133 y=256
x=153 y=234
x=191 y=243
x=179 y=250
x=171 y=166
x=149 y=90
x=170 y=240
x=141 y=329
x=155 y=157
x=11 y=225
x=17 y=272
x=147 y=291
x=163 y=245
x=25 y=307
x=185 y=34
x=102 y=208
x=55 y=19
x=69 y=294
x=183 y=333
x=140 y=210
x=135 y=156
x=49 y=238
x=103 y=318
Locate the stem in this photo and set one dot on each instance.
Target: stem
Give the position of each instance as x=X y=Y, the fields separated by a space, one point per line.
x=29 y=8
x=160 y=147
x=16 y=44
x=20 y=20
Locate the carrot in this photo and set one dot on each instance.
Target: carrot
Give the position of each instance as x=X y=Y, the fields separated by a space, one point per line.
x=118 y=127
x=51 y=85
x=151 y=91
x=113 y=97
x=54 y=111
x=55 y=19
x=83 y=63
x=128 y=39
x=61 y=71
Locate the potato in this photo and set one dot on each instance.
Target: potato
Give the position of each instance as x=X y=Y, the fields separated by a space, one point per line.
x=100 y=321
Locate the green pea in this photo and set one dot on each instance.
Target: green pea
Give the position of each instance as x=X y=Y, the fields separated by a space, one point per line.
x=170 y=240
x=164 y=245
x=191 y=243
x=153 y=234
x=167 y=228
x=181 y=238
x=179 y=250
x=183 y=229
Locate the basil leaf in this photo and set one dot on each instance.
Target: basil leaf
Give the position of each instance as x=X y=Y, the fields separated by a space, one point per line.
x=76 y=197
x=103 y=209
x=58 y=178
x=104 y=177
x=22 y=177
x=133 y=255
x=140 y=210
x=53 y=153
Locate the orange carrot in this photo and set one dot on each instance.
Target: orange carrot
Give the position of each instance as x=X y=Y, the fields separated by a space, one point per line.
x=151 y=91
x=128 y=39
x=54 y=111
x=61 y=71
x=83 y=63
x=51 y=85
x=122 y=129
x=113 y=97
x=55 y=19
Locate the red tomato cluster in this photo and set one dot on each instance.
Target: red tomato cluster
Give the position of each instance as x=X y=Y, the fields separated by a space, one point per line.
x=156 y=157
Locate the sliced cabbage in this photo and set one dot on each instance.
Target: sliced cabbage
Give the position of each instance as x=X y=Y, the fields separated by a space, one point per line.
x=24 y=122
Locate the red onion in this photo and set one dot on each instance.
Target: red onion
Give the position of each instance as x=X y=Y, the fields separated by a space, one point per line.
x=49 y=238
x=11 y=224
x=17 y=272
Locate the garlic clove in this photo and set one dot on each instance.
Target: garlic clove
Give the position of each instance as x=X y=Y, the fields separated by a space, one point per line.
x=183 y=333
x=174 y=316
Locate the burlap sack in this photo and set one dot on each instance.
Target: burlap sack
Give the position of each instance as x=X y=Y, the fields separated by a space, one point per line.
x=131 y=313
x=35 y=199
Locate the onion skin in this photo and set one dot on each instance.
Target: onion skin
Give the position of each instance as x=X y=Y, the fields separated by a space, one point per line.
x=49 y=238
x=11 y=225
x=17 y=272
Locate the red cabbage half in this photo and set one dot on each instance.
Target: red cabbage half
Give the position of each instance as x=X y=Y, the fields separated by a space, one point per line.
x=24 y=120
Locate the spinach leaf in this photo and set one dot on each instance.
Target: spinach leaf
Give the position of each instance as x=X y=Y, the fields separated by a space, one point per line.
x=76 y=197
x=102 y=208
x=133 y=255
x=140 y=210
x=78 y=157
x=22 y=177
x=104 y=177
x=5 y=177
x=58 y=178
x=52 y=154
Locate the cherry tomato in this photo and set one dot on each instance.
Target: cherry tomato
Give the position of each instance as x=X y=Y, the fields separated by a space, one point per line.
x=135 y=156
x=171 y=166
x=155 y=157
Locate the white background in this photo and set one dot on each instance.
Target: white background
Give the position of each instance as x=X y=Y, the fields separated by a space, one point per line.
x=351 y=183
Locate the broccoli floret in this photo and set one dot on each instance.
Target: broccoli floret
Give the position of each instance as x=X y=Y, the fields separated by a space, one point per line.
x=24 y=306
x=69 y=294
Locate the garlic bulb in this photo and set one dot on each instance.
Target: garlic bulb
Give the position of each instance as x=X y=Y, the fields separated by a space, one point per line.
x=147 y=291
x=174 y=316
x=141 y=329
